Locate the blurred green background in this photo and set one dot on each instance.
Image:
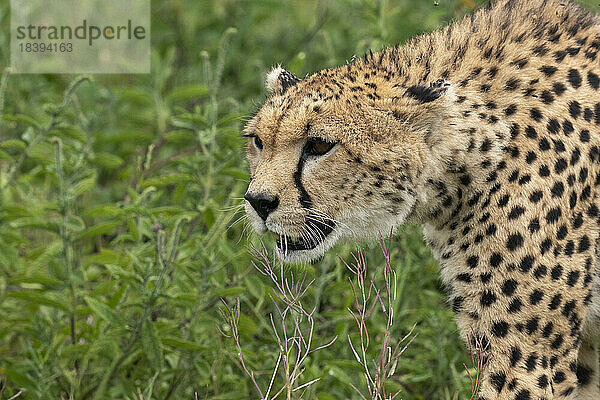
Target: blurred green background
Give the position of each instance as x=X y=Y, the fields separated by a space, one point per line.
x=95 y=174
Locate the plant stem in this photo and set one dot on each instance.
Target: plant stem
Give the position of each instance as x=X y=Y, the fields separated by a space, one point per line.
x=3 y=84
x=67 y=244
x=67 y=249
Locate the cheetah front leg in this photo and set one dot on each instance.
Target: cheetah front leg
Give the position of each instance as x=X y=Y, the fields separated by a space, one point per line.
x=519 y=368
x=587 y=372
x=573 y=378
x=587 y=360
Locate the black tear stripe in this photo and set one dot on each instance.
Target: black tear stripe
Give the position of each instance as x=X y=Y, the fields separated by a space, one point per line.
x=324 y=227
x=424 y=94
x=305 y=200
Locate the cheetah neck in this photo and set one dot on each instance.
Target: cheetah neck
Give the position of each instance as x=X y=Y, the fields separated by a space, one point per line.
x=452 y=179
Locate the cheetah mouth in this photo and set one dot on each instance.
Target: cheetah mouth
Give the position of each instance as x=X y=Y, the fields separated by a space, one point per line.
x=316 y=233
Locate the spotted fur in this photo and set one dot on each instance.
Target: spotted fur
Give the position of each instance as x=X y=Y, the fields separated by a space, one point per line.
x=487 y=133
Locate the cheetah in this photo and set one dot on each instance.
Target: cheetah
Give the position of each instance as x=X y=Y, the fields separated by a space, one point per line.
x=487 y=133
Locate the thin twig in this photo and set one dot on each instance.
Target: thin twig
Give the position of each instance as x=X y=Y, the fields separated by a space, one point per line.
x=367 y=295
x=295 y=331
x=16 y=395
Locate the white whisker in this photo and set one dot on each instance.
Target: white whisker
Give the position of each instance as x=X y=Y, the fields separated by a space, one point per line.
x=237 y=221
x=245 y=232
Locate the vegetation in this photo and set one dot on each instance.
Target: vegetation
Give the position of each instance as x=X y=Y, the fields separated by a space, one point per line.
x=121 y=227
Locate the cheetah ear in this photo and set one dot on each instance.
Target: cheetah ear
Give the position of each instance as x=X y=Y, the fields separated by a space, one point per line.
x=435 y=91
x=279 y=80
x=435 y=107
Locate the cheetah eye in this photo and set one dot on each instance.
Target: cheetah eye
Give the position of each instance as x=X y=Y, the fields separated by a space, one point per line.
x=258 y=143
x=317 y=147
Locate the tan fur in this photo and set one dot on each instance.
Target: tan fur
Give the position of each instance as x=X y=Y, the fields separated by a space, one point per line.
x=488 y=134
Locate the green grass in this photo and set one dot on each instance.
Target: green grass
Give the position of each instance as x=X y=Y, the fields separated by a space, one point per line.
x=118 y=201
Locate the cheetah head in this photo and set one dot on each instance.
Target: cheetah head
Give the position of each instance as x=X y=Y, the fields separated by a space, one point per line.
x=338 y=156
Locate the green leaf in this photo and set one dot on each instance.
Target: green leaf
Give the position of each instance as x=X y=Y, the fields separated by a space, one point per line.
x=178 y=343
x=254 y=285
x=228 y=119
x=186 y=93
x=236 y=173
x=13 y=144
x=45 y=299
x=18 y=378
x=71 y=132
x=13 y=211
x=26 y=119
x=120 y=272
x=125 y=136
x=5 y=156
x=151 y=345
x=393 y=387
x=43 y=280
x=117 y=295
x=325 y=396
x=247 y=325
x=136 y=96
x=235 y=395
x=32 y=222
x=180 y=136
x=341 y=375
x=133 y=229
x=75 y=223
x=165 y=180
x=107 y=160
x=83 y=185
x=49 y=254
x=105 y=211
x=9 y=257
x=77 y=351
x=98 y=230
x=42 y=152
x=104 y=311
x=106 y=256
x=229 y=292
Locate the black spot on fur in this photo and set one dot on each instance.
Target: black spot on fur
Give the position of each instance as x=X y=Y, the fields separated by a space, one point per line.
x=560 y=55
x=498 y=380
x=567 y=127
x=536 y=196
x=574 y=78
x=593 y=80
x=512 y=84
x=515 y=306
x=510 y=110
x=514 y=241
x=558 y=88
x=536 y=114
x=515 y=356
x=553 y=126
x=424 y=94
x=547 y=97
x=488 y=298
x=548 y=70
x=553 y=215
x=584 y=136
x=584 y=375
x=540 y=50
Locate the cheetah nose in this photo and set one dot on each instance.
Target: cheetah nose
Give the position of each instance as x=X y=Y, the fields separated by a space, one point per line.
x=264 y=204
